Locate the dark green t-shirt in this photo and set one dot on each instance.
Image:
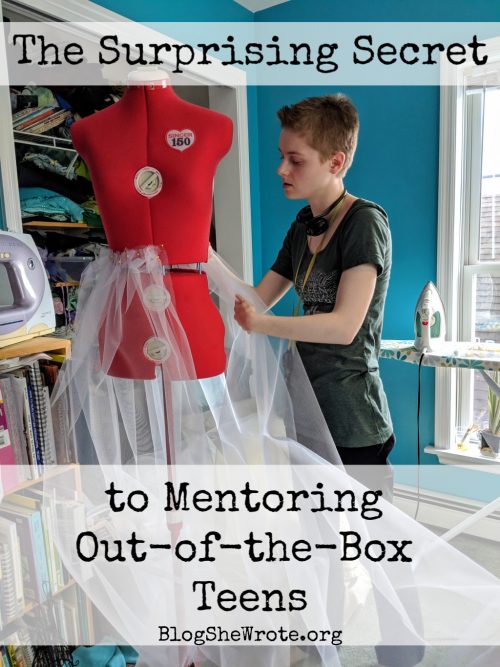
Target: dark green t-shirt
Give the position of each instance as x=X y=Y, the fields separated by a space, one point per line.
x=345 y=378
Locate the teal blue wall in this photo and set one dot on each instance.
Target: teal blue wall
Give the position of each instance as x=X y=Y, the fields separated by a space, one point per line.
x=179 y=10
x=383 y=10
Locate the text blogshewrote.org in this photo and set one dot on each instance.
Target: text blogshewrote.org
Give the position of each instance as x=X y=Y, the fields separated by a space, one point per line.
x=247 y=634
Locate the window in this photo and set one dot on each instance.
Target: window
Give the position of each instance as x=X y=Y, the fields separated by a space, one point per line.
x=469 y=233
x=482 y=267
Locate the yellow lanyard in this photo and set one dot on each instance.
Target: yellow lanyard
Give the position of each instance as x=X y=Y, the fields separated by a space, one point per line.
x=296 y=309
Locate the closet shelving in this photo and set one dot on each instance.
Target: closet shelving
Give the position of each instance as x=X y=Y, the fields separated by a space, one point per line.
x=48 y=225
x=43 y=141
x=46 y=141
x=57 y=236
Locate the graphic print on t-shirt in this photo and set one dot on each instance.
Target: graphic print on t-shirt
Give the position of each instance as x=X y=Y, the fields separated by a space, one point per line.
x=320 y=292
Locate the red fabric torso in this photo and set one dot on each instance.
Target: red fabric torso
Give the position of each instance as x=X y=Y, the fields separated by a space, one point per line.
x=152 y=127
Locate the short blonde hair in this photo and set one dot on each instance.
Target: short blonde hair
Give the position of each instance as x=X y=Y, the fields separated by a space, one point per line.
x=329 y=124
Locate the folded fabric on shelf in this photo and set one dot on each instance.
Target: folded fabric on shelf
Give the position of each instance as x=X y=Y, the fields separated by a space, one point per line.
x=45 y=162
x=31 y=176
x=91 y=213
x=49 y=203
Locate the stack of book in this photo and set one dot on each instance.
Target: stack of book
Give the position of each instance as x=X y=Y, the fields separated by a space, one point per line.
x=28 y=434
x=15 y=655
x=34 y=580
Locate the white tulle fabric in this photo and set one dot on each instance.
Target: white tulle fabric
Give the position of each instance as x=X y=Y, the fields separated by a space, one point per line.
x=225 y=419
x=261 y=411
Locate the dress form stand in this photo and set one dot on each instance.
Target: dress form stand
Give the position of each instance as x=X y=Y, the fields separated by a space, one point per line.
x=152 y=158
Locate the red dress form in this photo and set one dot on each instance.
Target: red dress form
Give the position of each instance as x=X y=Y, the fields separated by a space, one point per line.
x=168 y=204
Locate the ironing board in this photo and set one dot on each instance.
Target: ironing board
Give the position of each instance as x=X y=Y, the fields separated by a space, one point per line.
x=475 y=356
x=482 y=357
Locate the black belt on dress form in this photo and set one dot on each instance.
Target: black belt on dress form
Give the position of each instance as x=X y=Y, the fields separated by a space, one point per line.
x=195 y=267
x=192 y=267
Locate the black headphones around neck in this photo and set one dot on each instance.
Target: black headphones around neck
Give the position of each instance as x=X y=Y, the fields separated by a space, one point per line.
x=317 y=224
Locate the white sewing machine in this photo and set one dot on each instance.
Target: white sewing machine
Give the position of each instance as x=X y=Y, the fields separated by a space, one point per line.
x=26 y=308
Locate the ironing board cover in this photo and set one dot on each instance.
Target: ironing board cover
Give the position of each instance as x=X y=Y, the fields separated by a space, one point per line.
x=458 y=354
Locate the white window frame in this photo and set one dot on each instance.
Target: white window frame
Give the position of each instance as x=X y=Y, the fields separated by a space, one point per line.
x=232 y=213
x=457 y=244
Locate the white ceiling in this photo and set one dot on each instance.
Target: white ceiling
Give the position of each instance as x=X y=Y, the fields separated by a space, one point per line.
x=259 y=5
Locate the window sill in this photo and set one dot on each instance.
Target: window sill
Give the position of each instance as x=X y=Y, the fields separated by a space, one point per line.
x=467 y=459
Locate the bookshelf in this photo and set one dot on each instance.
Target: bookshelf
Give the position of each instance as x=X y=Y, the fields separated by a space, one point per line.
x=39 y=591
x=48 y=344
x=51 y=601
x=48 y=473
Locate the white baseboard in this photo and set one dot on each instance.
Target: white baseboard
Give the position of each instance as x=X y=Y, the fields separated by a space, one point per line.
x=446 y=511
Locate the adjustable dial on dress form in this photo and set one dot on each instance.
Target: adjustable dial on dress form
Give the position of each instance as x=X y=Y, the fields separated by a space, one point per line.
x=152 y=158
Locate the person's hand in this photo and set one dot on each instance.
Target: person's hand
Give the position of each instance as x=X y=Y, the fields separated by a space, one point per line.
x=245 y=314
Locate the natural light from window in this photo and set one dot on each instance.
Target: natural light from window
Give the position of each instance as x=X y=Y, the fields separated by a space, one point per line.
x=487 y=286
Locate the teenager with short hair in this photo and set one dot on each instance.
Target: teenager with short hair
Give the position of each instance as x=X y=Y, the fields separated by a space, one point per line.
x=340 y=267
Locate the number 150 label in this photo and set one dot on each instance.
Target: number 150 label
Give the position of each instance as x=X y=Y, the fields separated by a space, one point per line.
x=180 y=139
